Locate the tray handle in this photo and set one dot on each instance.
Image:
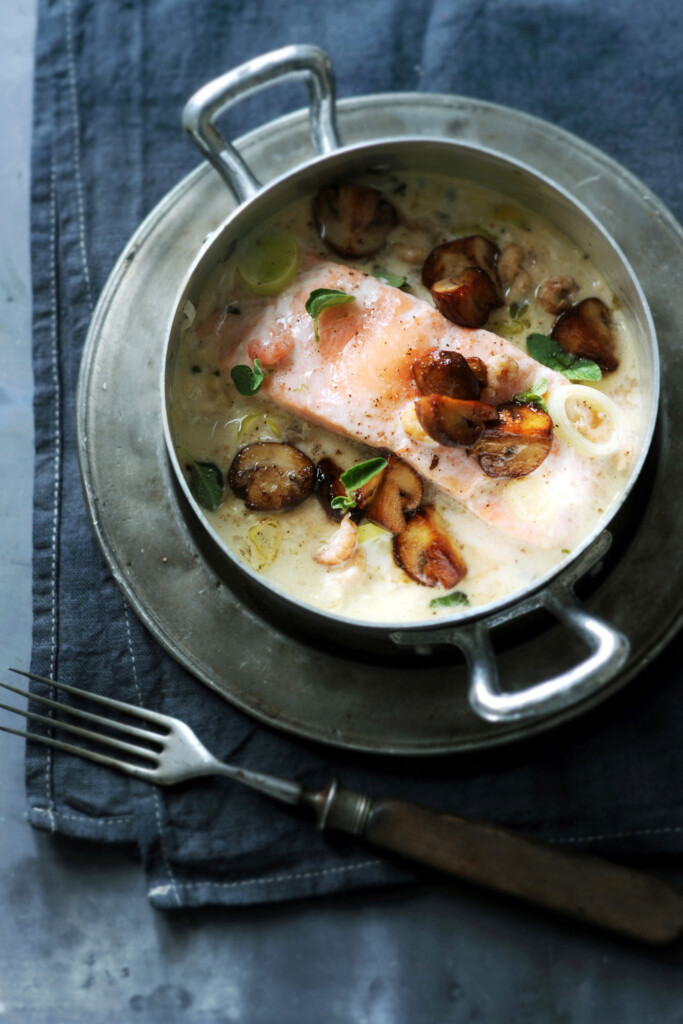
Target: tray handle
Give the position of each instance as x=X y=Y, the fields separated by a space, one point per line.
x=608 y=652
x=215 y=97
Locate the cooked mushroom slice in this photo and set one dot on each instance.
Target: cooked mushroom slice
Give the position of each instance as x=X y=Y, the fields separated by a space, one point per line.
x=354 y=220
x=586 y=330
x=329 y=486
x=271 y=476
x=556 y=294
x=467 y=299
x=446 y=373
x=510 y=263
x=453 y=421
x=447 y=261
x=426 y=553
x=517 y=444
x=387 y=498
x=478 y=368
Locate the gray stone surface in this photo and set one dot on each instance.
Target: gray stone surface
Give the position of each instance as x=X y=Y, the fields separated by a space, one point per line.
x=78 y=941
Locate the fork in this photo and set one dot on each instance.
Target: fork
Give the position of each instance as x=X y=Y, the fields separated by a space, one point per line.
x=581 y=886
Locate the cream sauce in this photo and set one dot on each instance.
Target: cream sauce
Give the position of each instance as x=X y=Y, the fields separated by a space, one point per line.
x=213 y=421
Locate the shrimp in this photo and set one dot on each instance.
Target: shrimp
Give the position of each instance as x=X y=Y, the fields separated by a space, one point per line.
x=342 y=546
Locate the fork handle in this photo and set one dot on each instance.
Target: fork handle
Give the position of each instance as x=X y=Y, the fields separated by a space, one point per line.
x=578 y=885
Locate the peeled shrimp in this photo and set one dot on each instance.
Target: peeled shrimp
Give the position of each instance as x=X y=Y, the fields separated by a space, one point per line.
x=342 y=546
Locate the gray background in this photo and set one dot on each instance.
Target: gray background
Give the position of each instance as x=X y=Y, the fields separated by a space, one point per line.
x=78 y=941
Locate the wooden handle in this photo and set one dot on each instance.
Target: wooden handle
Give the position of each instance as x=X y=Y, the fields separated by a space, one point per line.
x=578 y=885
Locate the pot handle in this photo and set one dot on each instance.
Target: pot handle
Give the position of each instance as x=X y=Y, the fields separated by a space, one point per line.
x=213 y=99
x=608 y=648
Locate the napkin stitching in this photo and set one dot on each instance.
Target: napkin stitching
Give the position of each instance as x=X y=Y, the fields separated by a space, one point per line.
x=287 y=878
x=84 y=819
x=76 y=129
x=54 y=351
x=160 y=889
x=157 y=795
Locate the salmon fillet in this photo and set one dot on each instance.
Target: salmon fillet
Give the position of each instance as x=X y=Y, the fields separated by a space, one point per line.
x=358 y=381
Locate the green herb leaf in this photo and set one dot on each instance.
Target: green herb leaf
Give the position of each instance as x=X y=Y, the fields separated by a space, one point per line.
x=583 y=369
x=206 y=482
x=323 y=298
x=395 y=280
x=544 y=349
x=343 y=502
x=248 y=380
x=355 y=476
x=517 y=308
x=549 y=352
x=533 y=395
x=455 y=598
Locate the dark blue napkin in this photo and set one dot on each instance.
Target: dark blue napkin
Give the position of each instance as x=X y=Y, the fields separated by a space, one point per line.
x=111 y=81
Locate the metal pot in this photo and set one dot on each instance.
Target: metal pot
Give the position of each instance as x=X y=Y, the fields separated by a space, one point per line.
x=469 y=631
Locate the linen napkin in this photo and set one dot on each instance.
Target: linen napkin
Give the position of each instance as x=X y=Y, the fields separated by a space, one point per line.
x=110 y=83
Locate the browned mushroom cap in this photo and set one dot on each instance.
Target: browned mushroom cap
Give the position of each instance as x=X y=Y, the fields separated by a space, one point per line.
x=467 y=299
x=329 y=486
x=517 y=444
x=447 y=261
x=426 y=553
x=446 y=373
x=586 y=330
x=556 y=294
x=453 y=421
x=354 y=220
x=391 y=494
x=271 y=476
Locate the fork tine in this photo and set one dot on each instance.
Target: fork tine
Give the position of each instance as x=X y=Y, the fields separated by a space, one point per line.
x=120 y=705
x=148 y=774
x=131 y=730
x=110 y=741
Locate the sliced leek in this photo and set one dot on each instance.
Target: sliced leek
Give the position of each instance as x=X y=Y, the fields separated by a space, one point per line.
x=248 y=422
x=368 y=532
x=264 y=542
x=269 y=263
x=586 y=418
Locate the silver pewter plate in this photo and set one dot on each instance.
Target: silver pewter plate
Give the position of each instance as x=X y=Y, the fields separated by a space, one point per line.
x=177 y=584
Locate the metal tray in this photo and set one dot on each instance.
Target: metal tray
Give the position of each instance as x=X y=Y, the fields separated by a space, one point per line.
x=177 y=584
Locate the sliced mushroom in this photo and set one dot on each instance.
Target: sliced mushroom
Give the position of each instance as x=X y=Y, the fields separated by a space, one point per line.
x=391 y=494
x=467 y=299
x=510 y=263
x=454 y=422
x=329 y=486
x=586 y=330
x=446 y=373
x=517 y=444
x=556 y=294
x=271 y=476
x=354 y=220
x=520 y=286
x=463 y=279
x=478 y=368
x=426 y=553
x=447 y=261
